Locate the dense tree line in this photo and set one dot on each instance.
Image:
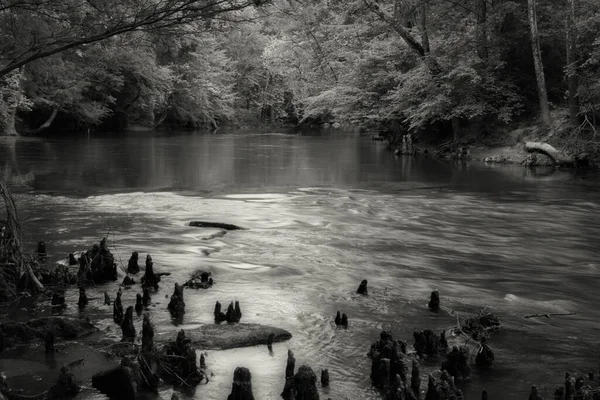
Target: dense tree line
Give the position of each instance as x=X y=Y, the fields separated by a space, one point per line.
x=435 y=66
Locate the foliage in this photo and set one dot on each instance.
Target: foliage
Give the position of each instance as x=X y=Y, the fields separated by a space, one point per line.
x=405 y=64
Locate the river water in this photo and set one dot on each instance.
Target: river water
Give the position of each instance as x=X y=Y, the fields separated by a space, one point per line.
x=325 y=210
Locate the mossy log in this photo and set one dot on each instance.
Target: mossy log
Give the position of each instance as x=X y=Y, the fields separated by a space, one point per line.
x=226 y=336
x=557 y=156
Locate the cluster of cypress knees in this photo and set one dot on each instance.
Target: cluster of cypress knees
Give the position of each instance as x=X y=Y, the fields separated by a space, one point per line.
x=390 y=360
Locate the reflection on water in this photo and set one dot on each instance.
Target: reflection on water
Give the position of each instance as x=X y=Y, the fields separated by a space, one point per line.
x=325 y=212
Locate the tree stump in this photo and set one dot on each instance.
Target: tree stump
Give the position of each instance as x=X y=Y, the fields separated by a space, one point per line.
x=344 y=321
x=179 y=362
x=324 y=378
x=305 y=384
x=338 y=319
x=147 y=334
x=106 y=299
x=219 y=315
x=118 y=309
x=485 y=356
x=127 y=326
x=150 y=279
x=434 y=302
x=83 y=300
x=128 y=281
x=362 y=288
x=177 y=305
x=241 y=388
x=72 y=259
x=139 y=306
x=133 y=266
x=41 y=249
x=457 y=363
x=58 y=299
x=146 y=297
x=233 y=313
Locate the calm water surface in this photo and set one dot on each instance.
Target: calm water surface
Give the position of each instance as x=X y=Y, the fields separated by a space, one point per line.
x=324 y=211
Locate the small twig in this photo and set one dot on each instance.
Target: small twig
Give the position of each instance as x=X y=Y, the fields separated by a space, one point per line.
x=548 y=315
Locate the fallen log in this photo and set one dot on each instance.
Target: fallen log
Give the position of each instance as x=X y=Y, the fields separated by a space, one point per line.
x=226 y=336
x=557 y=156
x=220 y=225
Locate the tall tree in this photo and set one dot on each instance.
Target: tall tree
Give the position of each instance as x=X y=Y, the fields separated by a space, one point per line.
x=537 y=62
x=572 y=63
x=482 y=42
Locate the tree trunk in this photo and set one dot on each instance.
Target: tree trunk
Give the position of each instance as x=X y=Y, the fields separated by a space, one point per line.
x=423 y=27
x=482 y=39
x=558 y=157
x=572 y=64
x=408 y=38
x=537 y=62
x=48 y=122
x=10 y=123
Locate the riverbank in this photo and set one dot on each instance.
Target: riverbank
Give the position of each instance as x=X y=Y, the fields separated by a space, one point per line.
x=507 y=145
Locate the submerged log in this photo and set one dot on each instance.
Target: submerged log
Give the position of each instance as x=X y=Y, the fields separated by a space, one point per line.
x=242 y=385
x=558 y=157
x=133 y=266
x=220 y=225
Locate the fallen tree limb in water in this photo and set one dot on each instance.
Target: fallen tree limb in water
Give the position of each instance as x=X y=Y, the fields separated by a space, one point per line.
x=220 y=225
x=14 y=264
x=229 y=336
x=557 y=156
x=548 y=315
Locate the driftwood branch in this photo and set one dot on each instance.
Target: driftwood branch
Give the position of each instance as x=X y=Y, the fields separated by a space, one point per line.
x=548 y=315
x=557 y=156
